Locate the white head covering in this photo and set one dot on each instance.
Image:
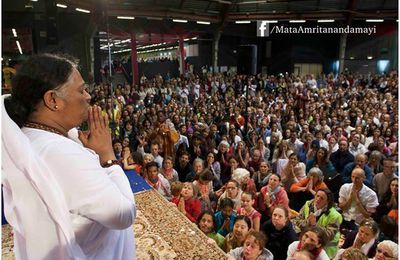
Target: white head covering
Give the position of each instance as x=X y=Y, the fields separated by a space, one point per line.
x=33 y=202
x=239 y=174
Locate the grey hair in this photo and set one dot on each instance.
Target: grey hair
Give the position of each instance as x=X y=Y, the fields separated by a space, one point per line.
x=316 y=171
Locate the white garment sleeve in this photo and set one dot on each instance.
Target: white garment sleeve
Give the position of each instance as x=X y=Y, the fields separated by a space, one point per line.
x=291 y=250
x=99 y=194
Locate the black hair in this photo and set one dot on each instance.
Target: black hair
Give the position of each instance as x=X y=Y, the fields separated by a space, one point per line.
x=245 y=219
x=330 y=198
x=151 y=164
x=37 y=75
x=226 y=202
x=209 y=212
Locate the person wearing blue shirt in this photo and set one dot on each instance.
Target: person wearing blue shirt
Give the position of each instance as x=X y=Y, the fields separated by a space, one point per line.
x=361 y=162
x=225 y=217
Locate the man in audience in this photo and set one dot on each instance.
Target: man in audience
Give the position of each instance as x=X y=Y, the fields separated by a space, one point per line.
x=183 y=166
x=342 y=156
x=356 y=200
x=356 y=147
x=360 y=162
x=155 y=149
x=157 y=181
x=381 y=183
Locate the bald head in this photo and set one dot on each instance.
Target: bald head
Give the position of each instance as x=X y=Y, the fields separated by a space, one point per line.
x=357 y=176
x=361 y=160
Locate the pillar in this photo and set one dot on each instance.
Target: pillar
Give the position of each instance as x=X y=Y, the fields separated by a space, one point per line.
x=215 y=45
x=134 y=62
x=342 y=51
x=182 y=64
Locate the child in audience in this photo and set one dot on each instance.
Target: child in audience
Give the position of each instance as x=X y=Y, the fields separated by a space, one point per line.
x=206 y=223
x=188 y=203
x=225 y=217
x=253 y=248
x=247 y=210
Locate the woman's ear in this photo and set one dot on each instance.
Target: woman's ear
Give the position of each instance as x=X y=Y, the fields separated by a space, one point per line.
x=50 y=100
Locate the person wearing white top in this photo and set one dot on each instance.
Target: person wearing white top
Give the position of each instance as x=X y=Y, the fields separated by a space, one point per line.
x=357 y=200
x=63 y=194
x=356 y=147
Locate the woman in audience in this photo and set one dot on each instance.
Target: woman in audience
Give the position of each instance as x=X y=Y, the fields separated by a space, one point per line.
x=252 y=249
x=272 y=195
x=215 y=168
x=232 y=191
x=281 y=156
x=242 y=154
x=206 y=223
x=364 y=239
x=387 y=250
x=321 y=211
x=168 y=171
x=321 y=161
x=236 y=238
x=248 y=199
x=204 y=185
x=280 y=232
x=131 y=161
x=242 y=176
x=389 y=203
x=223 y=158
x=312 y=239
x=260 y=177
x=292 y=172
x=306 y=188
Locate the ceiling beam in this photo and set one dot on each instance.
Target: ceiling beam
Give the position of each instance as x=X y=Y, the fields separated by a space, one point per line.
x=312 y=15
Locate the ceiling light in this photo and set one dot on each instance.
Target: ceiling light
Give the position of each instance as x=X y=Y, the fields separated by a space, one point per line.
x=374 y=20
x=202 y=22
x=326 y=21
x=19 y=47
x=351 y=58
x=194 y=38
x=252 y=2
x=224 y=2
x=242 y=22
x=179 y=21
x=270 y=21
x=186 y=39
x=14 y=32
x=34 y=0
x=297 y=21
x=370 y=57
x=61 y=5
x=126 y=17
x=82 y=10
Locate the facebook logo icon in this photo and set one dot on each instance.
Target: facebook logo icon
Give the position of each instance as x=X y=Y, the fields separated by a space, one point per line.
x=262 y=28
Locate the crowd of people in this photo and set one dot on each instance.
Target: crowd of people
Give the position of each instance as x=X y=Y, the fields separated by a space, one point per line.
x=274 y=167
